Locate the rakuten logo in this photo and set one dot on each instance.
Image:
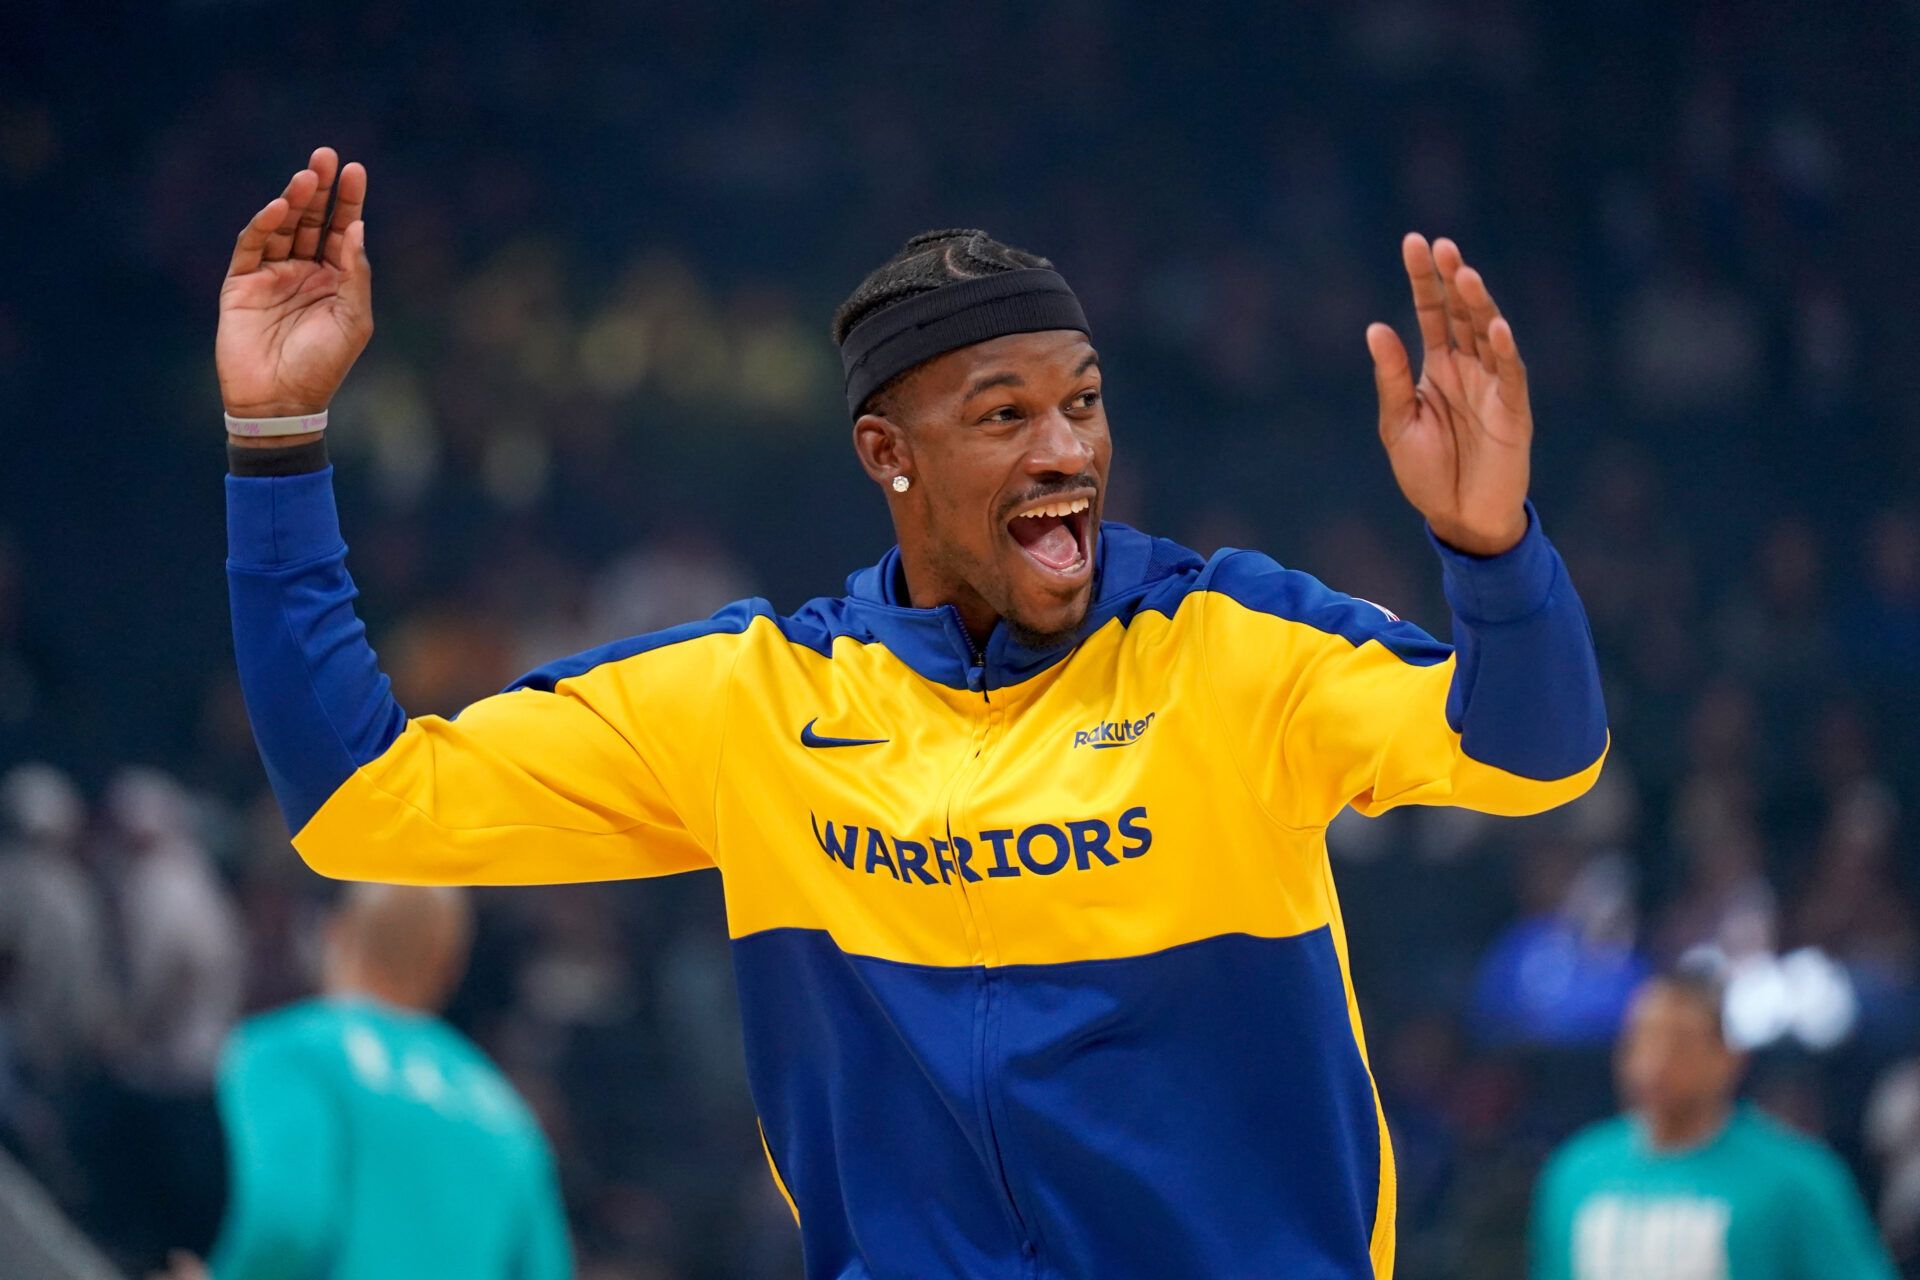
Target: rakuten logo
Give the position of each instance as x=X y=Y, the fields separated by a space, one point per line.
x=1113 y=733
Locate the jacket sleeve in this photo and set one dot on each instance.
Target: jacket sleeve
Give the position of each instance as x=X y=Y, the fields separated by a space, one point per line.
x=1331 y=701
x=599 y=767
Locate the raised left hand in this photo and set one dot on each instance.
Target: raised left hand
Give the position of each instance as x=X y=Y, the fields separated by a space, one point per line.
x=1460 y=439
x=296 y=308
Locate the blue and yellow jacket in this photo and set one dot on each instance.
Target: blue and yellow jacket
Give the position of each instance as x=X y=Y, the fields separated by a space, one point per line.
x=1039 y=958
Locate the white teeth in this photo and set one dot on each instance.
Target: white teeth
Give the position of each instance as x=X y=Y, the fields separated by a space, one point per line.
x=1074 y=507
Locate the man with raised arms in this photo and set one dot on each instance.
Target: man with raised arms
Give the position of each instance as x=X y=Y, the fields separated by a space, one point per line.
x=1020 y=998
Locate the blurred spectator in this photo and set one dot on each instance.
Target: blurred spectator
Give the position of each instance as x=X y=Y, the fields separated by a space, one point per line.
x=1561 y=974
x=366 y=1137
x=1854 y=905
x=1725 y=903
x=184 y=951
x=281 y=905
x=1776 y=628
x=1688 y=1183
x=1892 y=1130
x=58 y=990
x=57 y=1005
x=185 y=964
x=661 y=585
x=1855 y=908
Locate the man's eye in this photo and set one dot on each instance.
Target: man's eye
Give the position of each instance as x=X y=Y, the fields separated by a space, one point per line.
x=1088 y=398
x=1005 y=413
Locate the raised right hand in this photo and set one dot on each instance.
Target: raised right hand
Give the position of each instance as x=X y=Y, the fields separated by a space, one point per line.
x=296 y=309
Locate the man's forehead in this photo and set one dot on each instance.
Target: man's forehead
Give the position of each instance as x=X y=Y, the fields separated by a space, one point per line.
x=1055 y=352
x=1660 y=1001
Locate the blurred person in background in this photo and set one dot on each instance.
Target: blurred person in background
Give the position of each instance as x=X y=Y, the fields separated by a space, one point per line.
x=1725 y=901
x=1854 y=904
x=1776 y=627
x=57 y=997
x=1561 y=975
x=367 y=1139
x=1892 y=1130
x=1688 y=1184
x=56 y=983
x=180 y=934
x=183 y=958
x=946 y=693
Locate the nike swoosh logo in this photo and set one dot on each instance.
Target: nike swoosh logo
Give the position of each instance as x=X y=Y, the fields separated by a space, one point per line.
x=808 y=738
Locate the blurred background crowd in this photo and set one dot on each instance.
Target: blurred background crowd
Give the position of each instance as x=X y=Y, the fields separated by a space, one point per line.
x=607 y=238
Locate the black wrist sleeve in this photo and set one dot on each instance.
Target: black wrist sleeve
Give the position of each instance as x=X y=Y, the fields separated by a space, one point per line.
x=286 y=460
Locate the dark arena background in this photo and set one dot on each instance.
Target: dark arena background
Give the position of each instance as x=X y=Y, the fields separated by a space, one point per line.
x=607 y=239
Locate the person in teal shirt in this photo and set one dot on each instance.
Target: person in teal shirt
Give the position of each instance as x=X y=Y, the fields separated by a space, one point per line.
x=367 y=1138
x=1689 y=1184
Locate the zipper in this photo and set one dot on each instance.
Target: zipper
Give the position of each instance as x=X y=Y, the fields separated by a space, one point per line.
x=976 y=660
x=985 y=1005
x=989 y=983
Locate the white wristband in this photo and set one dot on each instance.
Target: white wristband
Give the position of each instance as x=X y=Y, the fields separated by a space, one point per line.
x=277 y=426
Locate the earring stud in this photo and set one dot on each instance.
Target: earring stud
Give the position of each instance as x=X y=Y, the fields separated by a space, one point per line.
x=900 y=484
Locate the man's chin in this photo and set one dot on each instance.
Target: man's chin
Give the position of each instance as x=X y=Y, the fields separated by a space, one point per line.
x=1052 y=627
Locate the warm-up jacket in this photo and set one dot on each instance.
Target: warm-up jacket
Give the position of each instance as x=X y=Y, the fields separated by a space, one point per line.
x=1039 y=959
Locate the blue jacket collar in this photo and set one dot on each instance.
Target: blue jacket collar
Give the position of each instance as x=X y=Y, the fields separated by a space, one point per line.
x=1128 y=567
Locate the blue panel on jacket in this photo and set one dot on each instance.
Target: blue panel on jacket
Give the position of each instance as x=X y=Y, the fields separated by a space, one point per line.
x=1201 y=1111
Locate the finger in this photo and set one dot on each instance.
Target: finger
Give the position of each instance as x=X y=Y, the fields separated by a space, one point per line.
x=1482 y=311
x=1446 y=256
x=356 y=273
x=325 y=164
x=1429 y=300
x=347 y=208
x=1392 y=378
x=252 y=241
x=299 y=191
x=1510 y=371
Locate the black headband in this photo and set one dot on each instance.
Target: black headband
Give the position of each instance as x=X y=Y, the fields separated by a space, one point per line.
x=891 y=341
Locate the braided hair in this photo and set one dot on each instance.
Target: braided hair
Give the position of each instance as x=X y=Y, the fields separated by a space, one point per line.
x=929 y=261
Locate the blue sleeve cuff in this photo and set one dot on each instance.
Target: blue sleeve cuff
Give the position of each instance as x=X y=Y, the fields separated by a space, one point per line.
x=281 y=520
x=1513 y=585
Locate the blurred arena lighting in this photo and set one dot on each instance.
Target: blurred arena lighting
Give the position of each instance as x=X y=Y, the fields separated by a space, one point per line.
x=1804 y=996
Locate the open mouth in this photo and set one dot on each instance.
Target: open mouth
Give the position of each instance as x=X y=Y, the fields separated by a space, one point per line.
x=1054 y=534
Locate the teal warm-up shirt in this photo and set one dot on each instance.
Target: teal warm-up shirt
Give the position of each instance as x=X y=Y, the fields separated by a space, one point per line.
x=367 y=1142
x=1757 y=1202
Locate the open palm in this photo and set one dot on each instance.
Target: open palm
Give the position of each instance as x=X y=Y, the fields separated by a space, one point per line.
x=1460 y=439
x=296 y=308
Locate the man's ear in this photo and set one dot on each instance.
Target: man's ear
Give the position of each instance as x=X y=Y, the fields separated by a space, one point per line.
x=883 y=447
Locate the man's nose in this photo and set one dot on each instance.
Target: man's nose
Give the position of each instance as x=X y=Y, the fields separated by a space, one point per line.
x=1058 y=447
